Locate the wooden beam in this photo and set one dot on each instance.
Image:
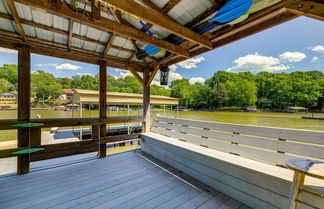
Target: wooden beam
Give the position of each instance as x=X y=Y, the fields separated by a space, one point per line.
x=153 y=73
x=119 y=138
x=24 y=73
x=95 y=10
x=146 y=102
x=68 y=122
x=70 y=34
x=102 y=103
x=170 y=5
x=161 y=21
x=16 y=18
x=60 y=50
x=310 y=9
x=107 y=45
x=135 y=74
x=108 y=25
x=257 y=22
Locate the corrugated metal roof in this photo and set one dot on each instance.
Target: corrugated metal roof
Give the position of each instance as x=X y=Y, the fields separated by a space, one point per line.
x=183 y=12
x=3 y=7
x=8 y=25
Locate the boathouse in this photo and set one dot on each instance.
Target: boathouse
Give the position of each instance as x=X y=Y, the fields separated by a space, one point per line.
x=181 y=163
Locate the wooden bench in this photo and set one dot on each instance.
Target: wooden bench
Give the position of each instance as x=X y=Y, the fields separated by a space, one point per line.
x=244 y=162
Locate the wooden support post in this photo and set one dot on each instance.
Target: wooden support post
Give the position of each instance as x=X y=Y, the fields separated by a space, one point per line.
x=95 y=132
x=35 y=137
x=23 y=105
x=146 y=101
x=102 y=103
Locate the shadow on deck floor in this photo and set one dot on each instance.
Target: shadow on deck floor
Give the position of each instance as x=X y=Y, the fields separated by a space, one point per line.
x=126 y=180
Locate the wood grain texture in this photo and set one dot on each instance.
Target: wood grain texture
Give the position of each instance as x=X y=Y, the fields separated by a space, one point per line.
x=161 y=21
x=102 y=103
x=24 y=78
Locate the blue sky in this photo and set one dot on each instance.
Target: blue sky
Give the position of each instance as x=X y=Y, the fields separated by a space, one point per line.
x=295 y=45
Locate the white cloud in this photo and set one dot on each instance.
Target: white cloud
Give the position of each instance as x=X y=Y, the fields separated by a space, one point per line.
x=174 y=75
x=123 y=73
x=172 y=67
x=9 y=51
x=47 y=65
x=314 y=59
x=81 y=74
x=257 y=63
x=191 y=63
x=197 y=80
x=67 y=66
x=318 y=48
x=292 y=56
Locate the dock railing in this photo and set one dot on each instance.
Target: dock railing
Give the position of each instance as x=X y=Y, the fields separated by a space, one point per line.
x=71 y=148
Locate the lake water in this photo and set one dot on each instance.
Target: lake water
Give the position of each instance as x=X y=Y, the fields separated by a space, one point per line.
x=283 y=120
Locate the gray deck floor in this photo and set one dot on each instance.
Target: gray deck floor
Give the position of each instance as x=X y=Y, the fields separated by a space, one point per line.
x=127 y=180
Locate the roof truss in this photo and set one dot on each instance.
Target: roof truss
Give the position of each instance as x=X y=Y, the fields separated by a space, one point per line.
x=161 y=21
x=107 y=25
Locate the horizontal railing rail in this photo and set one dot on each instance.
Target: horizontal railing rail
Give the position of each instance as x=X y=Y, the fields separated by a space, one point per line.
x=63 y=122
x=266 y=144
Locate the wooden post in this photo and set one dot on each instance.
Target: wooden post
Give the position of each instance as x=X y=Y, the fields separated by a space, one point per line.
x=23 y=105
x=146 y=101
x=35 y=137
x=102 y=103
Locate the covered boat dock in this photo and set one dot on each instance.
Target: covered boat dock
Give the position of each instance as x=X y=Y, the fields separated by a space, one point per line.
x=182 y=164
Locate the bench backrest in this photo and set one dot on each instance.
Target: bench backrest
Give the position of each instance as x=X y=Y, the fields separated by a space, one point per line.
x=266 y=144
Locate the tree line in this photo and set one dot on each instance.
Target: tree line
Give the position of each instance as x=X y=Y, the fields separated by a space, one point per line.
x=224 y=89
x=47 y=88
x=264 y=90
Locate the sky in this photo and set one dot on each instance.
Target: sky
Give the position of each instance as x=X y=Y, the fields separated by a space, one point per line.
x=297 y=45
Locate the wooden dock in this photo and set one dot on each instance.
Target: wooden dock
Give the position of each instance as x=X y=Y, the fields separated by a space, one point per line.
x=127 y=180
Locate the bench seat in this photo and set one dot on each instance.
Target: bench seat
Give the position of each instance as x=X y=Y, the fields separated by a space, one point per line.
x=256 y=184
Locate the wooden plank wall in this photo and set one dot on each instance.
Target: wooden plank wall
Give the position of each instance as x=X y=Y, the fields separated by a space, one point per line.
x=266 y=144
x=251 y=187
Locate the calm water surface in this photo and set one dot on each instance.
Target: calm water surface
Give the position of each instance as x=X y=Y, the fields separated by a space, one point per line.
x=283 y=120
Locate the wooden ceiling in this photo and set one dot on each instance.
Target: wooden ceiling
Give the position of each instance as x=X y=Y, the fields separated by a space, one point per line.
x=153 y=15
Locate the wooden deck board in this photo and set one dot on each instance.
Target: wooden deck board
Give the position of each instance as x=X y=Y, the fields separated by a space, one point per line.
x=127 y=180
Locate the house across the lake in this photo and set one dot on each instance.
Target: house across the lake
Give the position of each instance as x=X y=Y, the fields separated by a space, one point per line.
x=67 y=96
x=8 y=95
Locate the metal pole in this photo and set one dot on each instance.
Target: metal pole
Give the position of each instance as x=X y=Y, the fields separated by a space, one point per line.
x=80 y=117
x=177 y=111
x=164 y=110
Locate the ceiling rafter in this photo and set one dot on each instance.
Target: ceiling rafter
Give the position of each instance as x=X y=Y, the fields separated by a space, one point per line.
x=108 y=25
x=310 y=9
x=69 y=42
x=161 y=21
x=37 y=25
x=247 y=29
x=14 y=13
x=48 y=48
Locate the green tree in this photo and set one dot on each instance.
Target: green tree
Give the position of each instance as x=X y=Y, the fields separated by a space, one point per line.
x=85 y=82
x=10 y=73
x=5 y=85
x=241 y=93
x=45 y=86
x=181 y=89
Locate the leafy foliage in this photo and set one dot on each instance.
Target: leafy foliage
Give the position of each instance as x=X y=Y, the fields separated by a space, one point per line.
x=224 y=89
